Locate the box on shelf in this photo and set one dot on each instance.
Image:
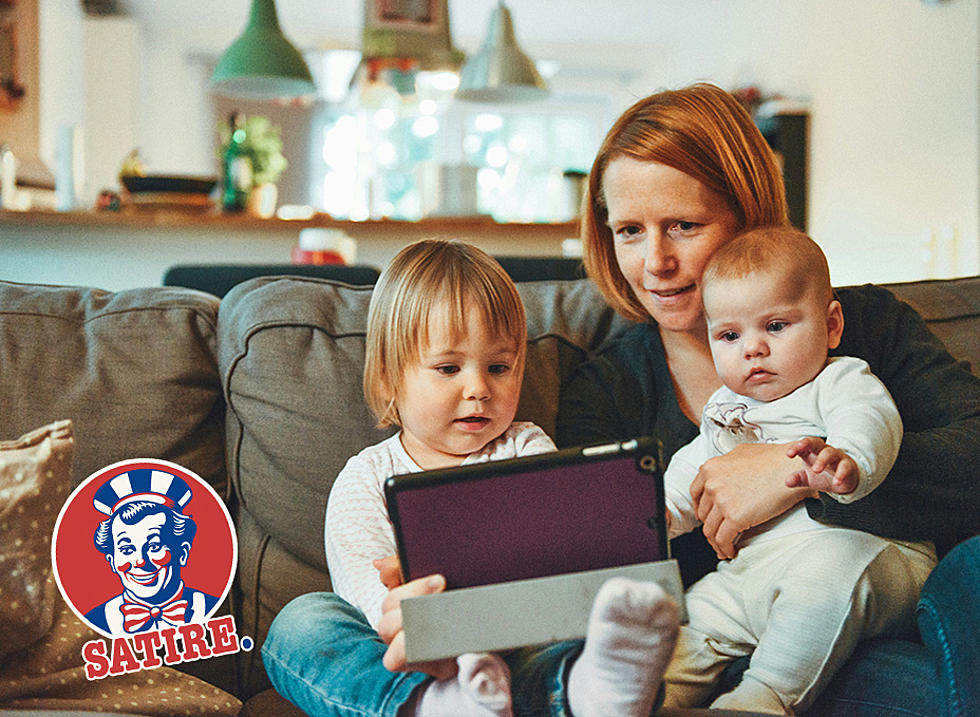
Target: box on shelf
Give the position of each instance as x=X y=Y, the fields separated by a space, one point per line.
x=319 y=245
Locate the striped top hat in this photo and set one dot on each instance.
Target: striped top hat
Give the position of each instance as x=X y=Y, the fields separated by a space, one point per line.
x=147 y=484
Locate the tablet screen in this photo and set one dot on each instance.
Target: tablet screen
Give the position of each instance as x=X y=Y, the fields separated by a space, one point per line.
x=574 y=510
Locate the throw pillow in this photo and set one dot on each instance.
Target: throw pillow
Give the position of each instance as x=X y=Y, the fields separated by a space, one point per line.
x=35 y=479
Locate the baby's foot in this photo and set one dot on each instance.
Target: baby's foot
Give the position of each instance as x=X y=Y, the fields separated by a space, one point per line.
x=630 y=639
x=481 y=688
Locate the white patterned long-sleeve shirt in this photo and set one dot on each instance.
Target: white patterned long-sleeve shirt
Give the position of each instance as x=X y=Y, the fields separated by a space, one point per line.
x=357 y=529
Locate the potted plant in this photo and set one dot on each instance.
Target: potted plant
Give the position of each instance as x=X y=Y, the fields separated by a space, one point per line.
x=263 y=145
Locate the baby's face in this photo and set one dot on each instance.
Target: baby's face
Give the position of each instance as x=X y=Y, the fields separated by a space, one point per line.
x=766 y=340
x=462 y=393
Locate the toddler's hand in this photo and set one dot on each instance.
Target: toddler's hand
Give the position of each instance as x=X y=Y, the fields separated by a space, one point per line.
x=389 y=571
x=391 y=628
x=826 y=468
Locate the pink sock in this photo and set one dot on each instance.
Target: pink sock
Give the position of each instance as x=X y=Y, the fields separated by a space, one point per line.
x=481 y=688
x=630 y=639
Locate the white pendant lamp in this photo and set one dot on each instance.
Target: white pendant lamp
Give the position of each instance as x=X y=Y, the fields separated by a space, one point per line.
x=500 y=71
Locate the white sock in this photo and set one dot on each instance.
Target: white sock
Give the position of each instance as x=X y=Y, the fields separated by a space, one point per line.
x=630 y=639
x=481 y=688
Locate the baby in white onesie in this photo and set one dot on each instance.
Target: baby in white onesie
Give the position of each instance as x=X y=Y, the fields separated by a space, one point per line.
x=799 y=595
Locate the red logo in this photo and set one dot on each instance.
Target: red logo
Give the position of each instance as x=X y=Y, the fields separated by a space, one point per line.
x=144 y=546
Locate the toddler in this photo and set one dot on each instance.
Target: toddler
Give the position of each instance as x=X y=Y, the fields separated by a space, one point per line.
x=445 y=351
x=799 y=595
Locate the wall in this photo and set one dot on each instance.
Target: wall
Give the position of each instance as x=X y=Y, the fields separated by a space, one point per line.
x=893 y=91
x=62 y=72
x=893 y=87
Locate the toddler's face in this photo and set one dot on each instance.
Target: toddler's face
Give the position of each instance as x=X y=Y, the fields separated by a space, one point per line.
x=767 y=342
x=460 y=395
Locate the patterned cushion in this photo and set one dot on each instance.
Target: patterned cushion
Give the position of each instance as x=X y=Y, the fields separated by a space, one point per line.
x=35 y=474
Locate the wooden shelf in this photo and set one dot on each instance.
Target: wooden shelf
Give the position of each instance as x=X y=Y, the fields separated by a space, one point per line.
x=224 y=222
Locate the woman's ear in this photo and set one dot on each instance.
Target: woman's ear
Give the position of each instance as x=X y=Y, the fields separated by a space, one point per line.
x=835 y=324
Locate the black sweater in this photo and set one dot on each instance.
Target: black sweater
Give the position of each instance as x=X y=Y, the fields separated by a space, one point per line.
x=931 y=492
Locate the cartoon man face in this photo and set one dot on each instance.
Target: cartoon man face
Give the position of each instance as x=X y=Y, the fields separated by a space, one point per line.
x=147 y=557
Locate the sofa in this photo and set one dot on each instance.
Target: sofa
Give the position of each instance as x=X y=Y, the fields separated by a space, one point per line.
x=259 y=394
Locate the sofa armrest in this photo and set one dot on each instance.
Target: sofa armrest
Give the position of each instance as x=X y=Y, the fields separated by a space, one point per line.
x=949 y=623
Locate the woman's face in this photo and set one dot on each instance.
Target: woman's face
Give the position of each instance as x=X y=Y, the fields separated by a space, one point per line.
x=665 y=226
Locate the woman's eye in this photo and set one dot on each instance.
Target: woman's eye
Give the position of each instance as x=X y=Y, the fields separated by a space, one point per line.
x=127 y=550
x=777 y=326
x=683 y=227
x=628 y=231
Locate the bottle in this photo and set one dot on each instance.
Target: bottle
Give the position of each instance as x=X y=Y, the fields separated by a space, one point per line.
x=8 y=178
x=237 y=167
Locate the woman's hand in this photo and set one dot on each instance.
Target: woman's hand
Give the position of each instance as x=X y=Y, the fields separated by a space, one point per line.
x=742 y=489
x=391 y=629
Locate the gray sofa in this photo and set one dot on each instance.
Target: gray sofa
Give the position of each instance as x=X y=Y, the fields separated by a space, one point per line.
x=260 y=395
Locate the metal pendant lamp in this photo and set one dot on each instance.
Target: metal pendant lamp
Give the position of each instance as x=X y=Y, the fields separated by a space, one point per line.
x=500 y=71
x=262 y=64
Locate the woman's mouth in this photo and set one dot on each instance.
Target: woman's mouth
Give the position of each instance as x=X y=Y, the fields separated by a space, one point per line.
x=671 y=293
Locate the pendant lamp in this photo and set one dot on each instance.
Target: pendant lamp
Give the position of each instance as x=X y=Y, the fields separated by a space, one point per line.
x=500 y=71
x=262 y=64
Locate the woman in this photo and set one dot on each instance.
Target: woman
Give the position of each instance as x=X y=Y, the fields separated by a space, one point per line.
x=678 y=175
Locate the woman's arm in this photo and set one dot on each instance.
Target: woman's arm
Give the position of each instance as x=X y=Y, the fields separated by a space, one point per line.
x=627 y=390
x=930 y=493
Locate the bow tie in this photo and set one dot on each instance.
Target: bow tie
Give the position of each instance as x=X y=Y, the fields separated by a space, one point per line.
x=137 y=615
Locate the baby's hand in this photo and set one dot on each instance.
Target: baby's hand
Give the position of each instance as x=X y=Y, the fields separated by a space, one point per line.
x=826 y=469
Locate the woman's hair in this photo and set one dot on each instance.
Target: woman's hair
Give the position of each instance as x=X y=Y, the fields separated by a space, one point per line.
x=782 y=252
x=702 y=131
x=433 y=273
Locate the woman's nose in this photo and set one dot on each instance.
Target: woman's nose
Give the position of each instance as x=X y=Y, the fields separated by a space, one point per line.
x=659 y=260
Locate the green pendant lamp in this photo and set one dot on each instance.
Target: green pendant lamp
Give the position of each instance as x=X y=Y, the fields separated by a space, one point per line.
x=500 y=71
x=262 y=64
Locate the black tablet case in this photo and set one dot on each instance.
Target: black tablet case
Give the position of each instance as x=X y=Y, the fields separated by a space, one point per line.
x=574 y=510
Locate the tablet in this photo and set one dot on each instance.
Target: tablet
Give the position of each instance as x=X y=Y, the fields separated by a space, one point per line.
x=574 y=510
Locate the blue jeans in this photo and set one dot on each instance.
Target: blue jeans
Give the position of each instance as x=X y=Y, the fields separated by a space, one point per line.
x=937 y=677
x=323 y=656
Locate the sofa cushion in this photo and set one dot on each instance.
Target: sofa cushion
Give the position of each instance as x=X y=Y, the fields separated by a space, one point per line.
x=291 y=355
x=951 y=308
x=35 y=474
x=135 y=371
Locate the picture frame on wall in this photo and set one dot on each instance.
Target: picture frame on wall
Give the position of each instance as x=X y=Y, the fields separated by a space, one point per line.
x=415 y=15
x=11 y=90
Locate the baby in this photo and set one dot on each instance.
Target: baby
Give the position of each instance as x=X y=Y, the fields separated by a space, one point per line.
x=799 y=595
